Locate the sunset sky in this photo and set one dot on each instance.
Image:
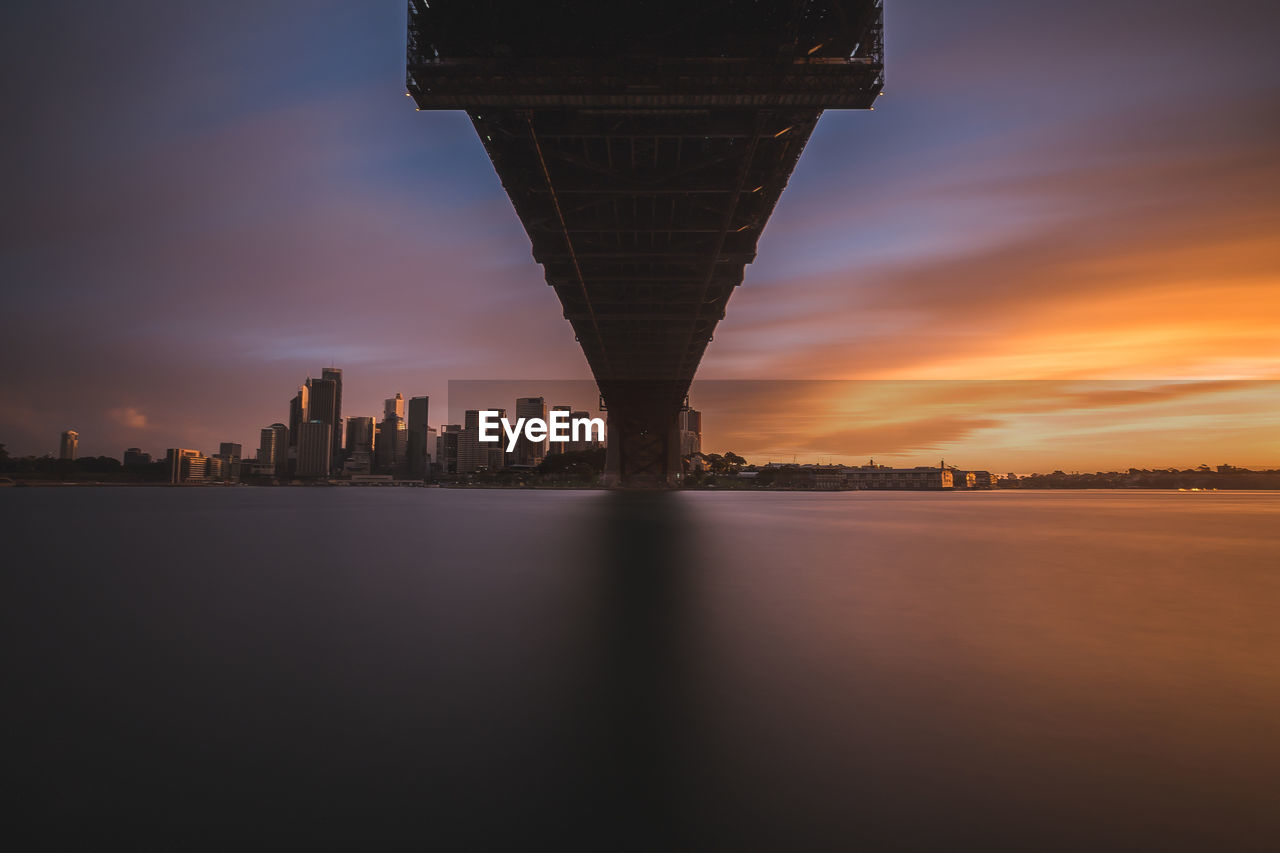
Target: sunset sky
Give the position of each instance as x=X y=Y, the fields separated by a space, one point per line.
x=205 y=203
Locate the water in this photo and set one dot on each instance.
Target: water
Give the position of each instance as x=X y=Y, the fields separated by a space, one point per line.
x=491 y=670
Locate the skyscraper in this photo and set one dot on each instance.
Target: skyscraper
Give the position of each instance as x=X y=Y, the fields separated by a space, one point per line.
x=421 y=438
x=273 y=448
x=70 y=443
x=324 y=400
x=586 y=440
x=315 y=451
x=334 y=374
x=324 y=407
x=530 y=452
x=225 y=464
x=390 y=449
x=690 y=423
x=474 y=454
x=360 y=435
x=447 y=448
x=299 y=413
x=358 y=456
x=559 y=446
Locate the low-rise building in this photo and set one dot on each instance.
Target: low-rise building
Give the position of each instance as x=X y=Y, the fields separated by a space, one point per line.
x=186 y=466
x=870 y=476
x=883 y=477
x=135 y=456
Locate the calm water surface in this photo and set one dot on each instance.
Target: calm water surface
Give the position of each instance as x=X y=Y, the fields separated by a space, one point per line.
x=788 y=671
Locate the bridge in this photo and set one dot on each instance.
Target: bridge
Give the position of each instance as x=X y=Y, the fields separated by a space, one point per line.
x=644 y=146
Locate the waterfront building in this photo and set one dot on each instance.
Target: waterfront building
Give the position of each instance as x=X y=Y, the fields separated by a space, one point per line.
x=972 y=479
x=421 y=438
x=251 y=468
x=560 y=446
x=690 y=425
x=323 y=400
x=883 y=477
x=334 y=375
x=186 y=465
x=135 y=456
x=273 y=449
x=360 y=431
x=869 y=476
x=475 y=455
x=225 y=464
x=392 y=436
x=586 y=439
x=299 y=408
x=315 y=451
x=447 y=448
x=530 y=452
x=357 y=462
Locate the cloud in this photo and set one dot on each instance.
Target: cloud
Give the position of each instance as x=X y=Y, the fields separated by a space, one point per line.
x=1117 y=251
x=128 y=416
x=1040 y=424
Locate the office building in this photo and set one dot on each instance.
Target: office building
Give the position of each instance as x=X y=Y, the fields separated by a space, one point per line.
x=393 y=407
x=475 y=455
x=135 y=456
x=186 y=465
x=70 y=443
x=299 y=413
x=690 y=424
x=273 y=449
x=390 y=446
x=559 y=446
x=585 y=440
x=225 y=464
x=360 y=432
x=447 y=448
x=530 y=452
x=334 y=375
x=323 y=407
x=357 y=462
x=323 y=400
x=217 y=468
x=421 y=438
x=315 y=450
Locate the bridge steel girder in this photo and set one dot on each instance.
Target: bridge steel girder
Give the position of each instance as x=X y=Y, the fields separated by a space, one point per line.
x=644 y=164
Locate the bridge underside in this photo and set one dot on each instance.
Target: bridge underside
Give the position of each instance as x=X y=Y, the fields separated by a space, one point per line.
x=645 y=180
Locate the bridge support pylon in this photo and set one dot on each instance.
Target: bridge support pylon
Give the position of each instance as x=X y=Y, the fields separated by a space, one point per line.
x=643 y=441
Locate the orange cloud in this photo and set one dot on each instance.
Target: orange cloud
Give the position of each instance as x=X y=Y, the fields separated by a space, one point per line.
x=1143 y=250
x=128 y=417
x=1019 y=425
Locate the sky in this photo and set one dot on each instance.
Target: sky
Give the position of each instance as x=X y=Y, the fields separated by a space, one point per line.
x=206 y=203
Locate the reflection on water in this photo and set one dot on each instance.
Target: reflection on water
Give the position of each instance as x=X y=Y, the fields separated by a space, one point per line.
x=694 y=671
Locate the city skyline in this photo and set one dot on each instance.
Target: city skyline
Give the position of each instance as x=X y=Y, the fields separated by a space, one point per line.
x=1040 y=216
x=901 y=422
